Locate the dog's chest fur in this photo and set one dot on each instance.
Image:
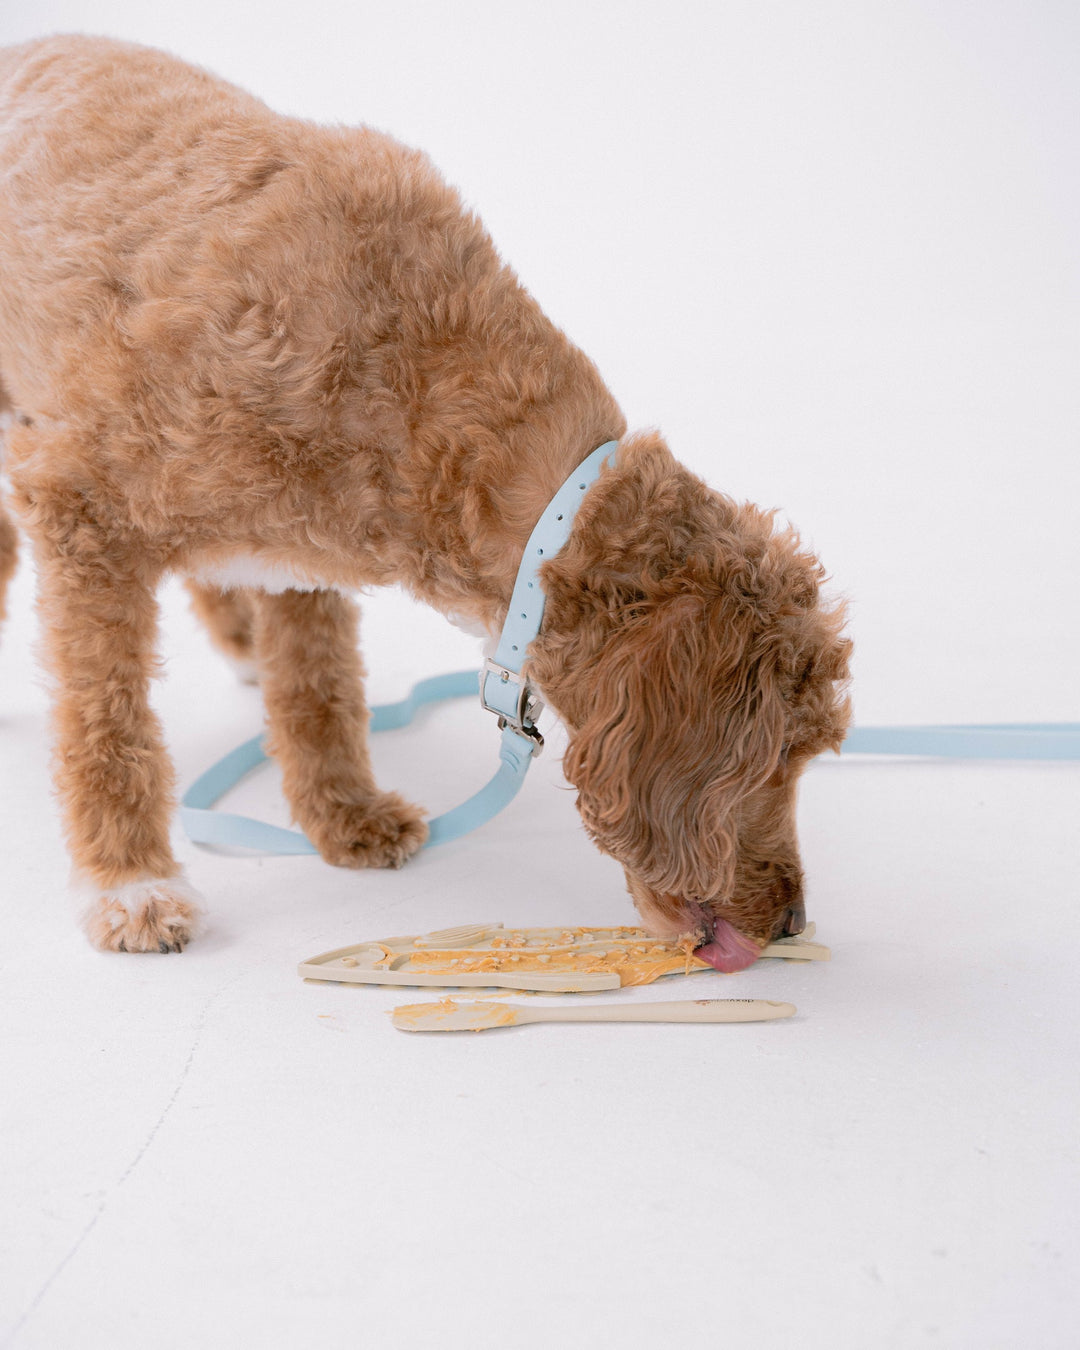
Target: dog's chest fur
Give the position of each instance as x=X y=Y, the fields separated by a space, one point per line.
x=247 y=570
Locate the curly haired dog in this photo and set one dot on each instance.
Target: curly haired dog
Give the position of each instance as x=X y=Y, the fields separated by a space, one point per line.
x=284 y=361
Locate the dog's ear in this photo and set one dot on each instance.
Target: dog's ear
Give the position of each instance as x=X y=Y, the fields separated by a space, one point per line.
x=813 y=657
x=683 y=718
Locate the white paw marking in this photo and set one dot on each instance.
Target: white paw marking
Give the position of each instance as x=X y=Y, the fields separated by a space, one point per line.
x=134 y=896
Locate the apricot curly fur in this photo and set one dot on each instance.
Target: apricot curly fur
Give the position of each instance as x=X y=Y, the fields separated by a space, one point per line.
x=230 y=335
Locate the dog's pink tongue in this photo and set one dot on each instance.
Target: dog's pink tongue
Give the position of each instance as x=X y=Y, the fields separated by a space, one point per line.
x=729 y=949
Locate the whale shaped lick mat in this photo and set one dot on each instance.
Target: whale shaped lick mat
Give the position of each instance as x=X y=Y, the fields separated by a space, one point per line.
x=547 y=960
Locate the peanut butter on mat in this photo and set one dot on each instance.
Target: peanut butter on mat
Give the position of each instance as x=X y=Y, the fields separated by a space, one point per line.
x=627 y=952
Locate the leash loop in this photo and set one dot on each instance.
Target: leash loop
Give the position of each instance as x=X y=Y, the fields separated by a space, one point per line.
x=205 y=825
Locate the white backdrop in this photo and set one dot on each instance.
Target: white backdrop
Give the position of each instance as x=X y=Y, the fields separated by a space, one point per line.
x=831 y=250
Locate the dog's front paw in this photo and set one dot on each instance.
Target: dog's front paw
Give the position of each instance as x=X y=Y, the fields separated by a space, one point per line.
x=152 y=915
x=380 y=832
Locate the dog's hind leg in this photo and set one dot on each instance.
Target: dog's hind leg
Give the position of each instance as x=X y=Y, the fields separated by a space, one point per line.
x=113 y=776
x=9 y=539
x=9 y=556
x=229 y=618
x=312 y=681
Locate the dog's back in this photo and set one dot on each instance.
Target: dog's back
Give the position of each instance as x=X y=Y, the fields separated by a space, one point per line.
x=206 y=306
x=114 y=161
x=202 y=292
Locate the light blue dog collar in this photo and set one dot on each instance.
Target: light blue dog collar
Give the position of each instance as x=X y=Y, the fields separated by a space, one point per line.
x=504 y=690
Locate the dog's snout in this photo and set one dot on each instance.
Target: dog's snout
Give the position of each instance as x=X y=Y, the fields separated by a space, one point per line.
x=794 y=919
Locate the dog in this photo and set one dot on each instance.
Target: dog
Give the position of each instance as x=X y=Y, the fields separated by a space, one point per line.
x=283 y=361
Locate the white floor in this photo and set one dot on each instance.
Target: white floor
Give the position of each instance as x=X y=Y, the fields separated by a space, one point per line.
x=831 y=251
x=203 y=1150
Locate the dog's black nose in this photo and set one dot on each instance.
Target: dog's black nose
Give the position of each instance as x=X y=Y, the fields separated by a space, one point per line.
x=794 y=919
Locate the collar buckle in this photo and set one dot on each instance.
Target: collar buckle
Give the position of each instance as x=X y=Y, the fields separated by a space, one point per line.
x=517 y=708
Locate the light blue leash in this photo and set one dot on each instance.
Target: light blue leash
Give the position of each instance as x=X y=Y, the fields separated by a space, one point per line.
x=206 y=826
x=505 y=691
x=1002 y=740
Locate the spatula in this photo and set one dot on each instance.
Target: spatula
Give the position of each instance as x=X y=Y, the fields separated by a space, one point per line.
x=449 y=1015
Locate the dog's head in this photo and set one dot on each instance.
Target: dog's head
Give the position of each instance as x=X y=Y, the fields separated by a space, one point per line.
x=698 y=671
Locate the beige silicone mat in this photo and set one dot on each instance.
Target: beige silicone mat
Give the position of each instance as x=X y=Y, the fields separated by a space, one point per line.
x=549 y=960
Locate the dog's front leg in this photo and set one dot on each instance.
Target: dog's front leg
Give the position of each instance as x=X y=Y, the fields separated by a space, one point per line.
x=312 y=682
x=112 y=772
